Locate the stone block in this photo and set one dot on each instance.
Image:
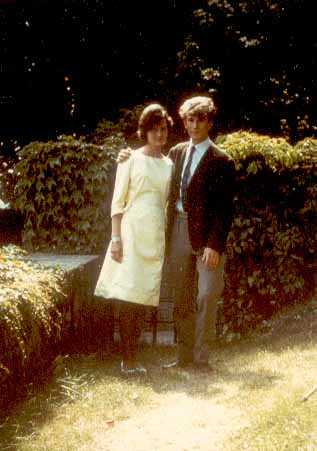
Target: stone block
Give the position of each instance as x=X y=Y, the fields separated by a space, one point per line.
x=88 y=321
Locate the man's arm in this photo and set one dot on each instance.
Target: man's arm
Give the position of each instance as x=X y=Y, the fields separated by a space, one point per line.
x=218 y=235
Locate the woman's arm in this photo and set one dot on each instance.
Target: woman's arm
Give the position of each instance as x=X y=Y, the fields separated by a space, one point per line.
x=119 y=200
x=116 y=242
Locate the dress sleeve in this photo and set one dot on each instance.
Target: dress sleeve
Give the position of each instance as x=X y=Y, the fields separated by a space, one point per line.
x=121 y=187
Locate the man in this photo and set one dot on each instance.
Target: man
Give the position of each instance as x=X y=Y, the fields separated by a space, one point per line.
x=199 y=217
x=198 y=221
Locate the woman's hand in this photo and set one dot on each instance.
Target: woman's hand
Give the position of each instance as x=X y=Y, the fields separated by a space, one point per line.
x=124 y=154
x=116 y=251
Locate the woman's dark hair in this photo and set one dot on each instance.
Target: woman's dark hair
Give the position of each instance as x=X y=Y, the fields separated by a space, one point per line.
x=151 y=116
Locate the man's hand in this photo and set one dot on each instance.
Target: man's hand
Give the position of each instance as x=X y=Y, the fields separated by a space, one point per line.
x=210 y=258
x=124 y=154
x=116 y=251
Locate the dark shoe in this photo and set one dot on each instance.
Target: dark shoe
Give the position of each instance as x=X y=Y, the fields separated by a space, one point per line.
x=141 y=370
x=177 y=365
x=133 y=369
x=128 y=369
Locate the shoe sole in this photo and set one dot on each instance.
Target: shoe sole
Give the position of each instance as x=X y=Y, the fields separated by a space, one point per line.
x=133 y=371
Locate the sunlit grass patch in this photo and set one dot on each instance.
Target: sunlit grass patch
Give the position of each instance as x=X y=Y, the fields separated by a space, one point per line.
x=287 y=424
x=84 y=394
x=251 y=400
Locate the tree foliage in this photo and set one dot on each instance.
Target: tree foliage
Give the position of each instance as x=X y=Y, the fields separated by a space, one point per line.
x=257 y=57
x=257 y=60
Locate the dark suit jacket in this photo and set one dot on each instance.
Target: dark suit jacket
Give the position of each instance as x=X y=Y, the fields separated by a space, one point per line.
x=209 y=197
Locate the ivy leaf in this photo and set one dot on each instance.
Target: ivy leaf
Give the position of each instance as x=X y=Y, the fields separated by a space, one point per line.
x=52 y=162
x=77 y=197
x=39 y=197
x=50 y=183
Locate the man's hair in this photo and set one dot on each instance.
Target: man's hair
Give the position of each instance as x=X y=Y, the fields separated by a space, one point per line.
x=151 y=116
x=199 y=105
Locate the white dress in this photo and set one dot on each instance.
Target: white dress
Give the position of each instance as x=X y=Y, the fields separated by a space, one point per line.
x=140 y=194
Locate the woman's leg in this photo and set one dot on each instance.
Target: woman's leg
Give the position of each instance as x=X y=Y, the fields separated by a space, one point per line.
x=131 y=319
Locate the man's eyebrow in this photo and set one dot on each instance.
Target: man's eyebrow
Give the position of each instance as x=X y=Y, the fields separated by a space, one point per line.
x=198 y=114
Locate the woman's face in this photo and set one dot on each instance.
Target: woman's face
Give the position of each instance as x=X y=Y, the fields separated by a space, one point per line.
x=157 y=136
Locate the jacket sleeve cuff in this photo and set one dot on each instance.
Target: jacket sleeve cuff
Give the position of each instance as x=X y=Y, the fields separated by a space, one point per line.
x=214 y=244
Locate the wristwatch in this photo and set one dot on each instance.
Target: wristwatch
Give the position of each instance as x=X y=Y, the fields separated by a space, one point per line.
x=116 y=238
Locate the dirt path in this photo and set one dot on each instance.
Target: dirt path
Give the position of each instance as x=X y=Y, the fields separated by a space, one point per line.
x=178 y=422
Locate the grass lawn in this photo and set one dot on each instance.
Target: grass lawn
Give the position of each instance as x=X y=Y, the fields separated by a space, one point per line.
x=252 y=400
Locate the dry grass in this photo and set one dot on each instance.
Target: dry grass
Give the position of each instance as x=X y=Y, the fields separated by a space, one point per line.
x=252 y=400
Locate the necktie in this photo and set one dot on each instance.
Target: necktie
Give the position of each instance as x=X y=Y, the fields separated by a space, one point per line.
x=186 y=175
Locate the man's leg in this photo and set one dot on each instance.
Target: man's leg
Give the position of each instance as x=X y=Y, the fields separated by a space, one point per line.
x=210 y=288
x=181 y=267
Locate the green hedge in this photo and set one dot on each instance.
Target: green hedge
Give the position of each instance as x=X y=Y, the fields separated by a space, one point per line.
x=30 y=319
x=45 y=312
x=63 y=191
x=272 y=244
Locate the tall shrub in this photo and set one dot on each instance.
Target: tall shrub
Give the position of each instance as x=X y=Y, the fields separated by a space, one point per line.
x=63 y=191
x=271 y=247
x=31 y=301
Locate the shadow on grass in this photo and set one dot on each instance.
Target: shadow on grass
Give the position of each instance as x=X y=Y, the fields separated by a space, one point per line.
x=54 y=390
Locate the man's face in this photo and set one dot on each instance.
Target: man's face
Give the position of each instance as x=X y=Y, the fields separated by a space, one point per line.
x=197 y=126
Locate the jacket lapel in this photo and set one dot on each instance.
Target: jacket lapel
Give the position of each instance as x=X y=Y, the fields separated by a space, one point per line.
x=209 y=154
x=180 y=163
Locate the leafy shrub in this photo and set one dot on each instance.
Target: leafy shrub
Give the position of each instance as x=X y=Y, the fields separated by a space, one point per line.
x=272 y=244
x=30 y=322
x=63 y=191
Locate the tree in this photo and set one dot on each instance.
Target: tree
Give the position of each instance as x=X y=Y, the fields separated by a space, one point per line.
x=257 y=60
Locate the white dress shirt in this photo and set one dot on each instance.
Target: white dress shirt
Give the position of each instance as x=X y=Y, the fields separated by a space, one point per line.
x=200 y=151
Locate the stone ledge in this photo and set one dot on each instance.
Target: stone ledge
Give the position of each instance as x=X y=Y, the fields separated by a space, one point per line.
x=87 y=324
x=64 y=261
x=82 y=306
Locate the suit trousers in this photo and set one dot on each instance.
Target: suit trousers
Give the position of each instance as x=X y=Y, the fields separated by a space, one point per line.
x=195 y=291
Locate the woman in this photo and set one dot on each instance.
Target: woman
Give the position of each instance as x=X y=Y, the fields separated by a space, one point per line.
x=132 y=268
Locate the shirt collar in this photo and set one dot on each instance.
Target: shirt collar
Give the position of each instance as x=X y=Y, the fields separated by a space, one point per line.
x=202 y=146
